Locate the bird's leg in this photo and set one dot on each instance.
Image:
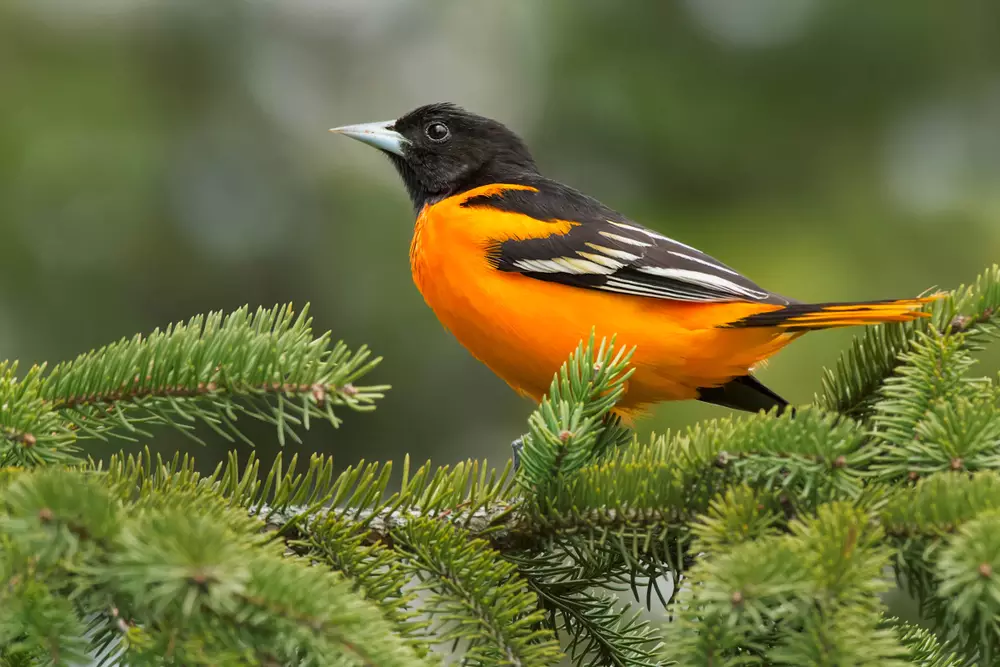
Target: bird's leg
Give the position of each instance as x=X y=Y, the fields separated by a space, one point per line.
x=517 y=446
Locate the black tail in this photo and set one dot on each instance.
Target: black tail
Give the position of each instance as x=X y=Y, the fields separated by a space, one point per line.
x=743 y=393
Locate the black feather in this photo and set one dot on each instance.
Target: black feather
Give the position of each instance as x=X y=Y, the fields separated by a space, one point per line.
x=692 y=274
x=743 y=393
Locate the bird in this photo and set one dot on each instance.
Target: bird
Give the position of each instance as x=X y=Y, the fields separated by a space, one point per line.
x=520 y=268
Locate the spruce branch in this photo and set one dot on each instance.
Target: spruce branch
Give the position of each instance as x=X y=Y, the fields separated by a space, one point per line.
x=31 y=433
x=637 y=500
x=470 y=495
x=923 y=647
x=266 y=365
x=474 y=597
x=645 y=496
x=931 y=416
x=375 y=571
x=596 y=627
x=806 y=597
x=737 y=517
x=939 y=504
x=946 y=555
x=966 y=570
x=40 y=628
x=971 y=312
x=193 y=577
x=573 y=423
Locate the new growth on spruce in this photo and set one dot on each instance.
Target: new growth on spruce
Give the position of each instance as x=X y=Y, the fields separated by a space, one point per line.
x=756 y=539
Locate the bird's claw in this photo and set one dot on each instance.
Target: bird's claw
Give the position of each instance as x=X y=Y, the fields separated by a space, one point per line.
x=517 y=446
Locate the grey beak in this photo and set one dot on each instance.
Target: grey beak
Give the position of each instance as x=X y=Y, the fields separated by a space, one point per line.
x=380 y=135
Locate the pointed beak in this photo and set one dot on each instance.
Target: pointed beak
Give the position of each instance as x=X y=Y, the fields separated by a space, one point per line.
x=380 y=135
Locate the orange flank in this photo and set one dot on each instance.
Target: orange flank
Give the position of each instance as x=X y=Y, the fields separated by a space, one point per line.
x=524 y=328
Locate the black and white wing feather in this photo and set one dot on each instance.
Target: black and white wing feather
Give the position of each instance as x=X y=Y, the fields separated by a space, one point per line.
x=607 y=252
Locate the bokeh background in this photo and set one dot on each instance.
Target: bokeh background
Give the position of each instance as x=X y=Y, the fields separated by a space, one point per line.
x=161 y=158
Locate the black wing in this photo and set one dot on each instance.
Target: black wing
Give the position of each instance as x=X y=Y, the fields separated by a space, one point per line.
x=608 y=252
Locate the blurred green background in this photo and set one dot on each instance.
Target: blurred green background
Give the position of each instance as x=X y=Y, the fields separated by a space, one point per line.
x=160 y=158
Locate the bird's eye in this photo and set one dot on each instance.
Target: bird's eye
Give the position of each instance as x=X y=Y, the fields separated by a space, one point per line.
x=437 y=132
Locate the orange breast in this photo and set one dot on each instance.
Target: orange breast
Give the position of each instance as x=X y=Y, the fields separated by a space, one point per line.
x=524 y=329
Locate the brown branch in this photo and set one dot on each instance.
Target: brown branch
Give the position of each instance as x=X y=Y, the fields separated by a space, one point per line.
x=962 y=323
x=509 y=531
x=320 y=393
x=28 y=440
x=506 y=529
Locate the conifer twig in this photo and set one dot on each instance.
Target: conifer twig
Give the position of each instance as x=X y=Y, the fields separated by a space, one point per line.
x=971 y=312
x=266 y=365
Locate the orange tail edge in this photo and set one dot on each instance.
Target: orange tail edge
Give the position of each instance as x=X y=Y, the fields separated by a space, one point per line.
x=806 y=317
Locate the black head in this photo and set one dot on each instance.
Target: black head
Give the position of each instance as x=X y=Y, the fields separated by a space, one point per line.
x=440 y=150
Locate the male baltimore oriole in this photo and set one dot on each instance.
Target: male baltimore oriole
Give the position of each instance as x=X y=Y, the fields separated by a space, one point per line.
x=520 y=268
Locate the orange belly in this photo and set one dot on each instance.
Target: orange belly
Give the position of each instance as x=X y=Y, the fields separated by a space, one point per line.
x=524 y=329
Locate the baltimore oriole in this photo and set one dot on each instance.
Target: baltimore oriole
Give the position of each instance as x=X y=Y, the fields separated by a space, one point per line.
x=520 y=268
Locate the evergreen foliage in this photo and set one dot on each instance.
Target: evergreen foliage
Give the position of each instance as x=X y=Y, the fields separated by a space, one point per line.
x=757 y=539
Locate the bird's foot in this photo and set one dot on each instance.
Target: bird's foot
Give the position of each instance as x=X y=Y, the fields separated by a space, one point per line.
x=517 y=446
